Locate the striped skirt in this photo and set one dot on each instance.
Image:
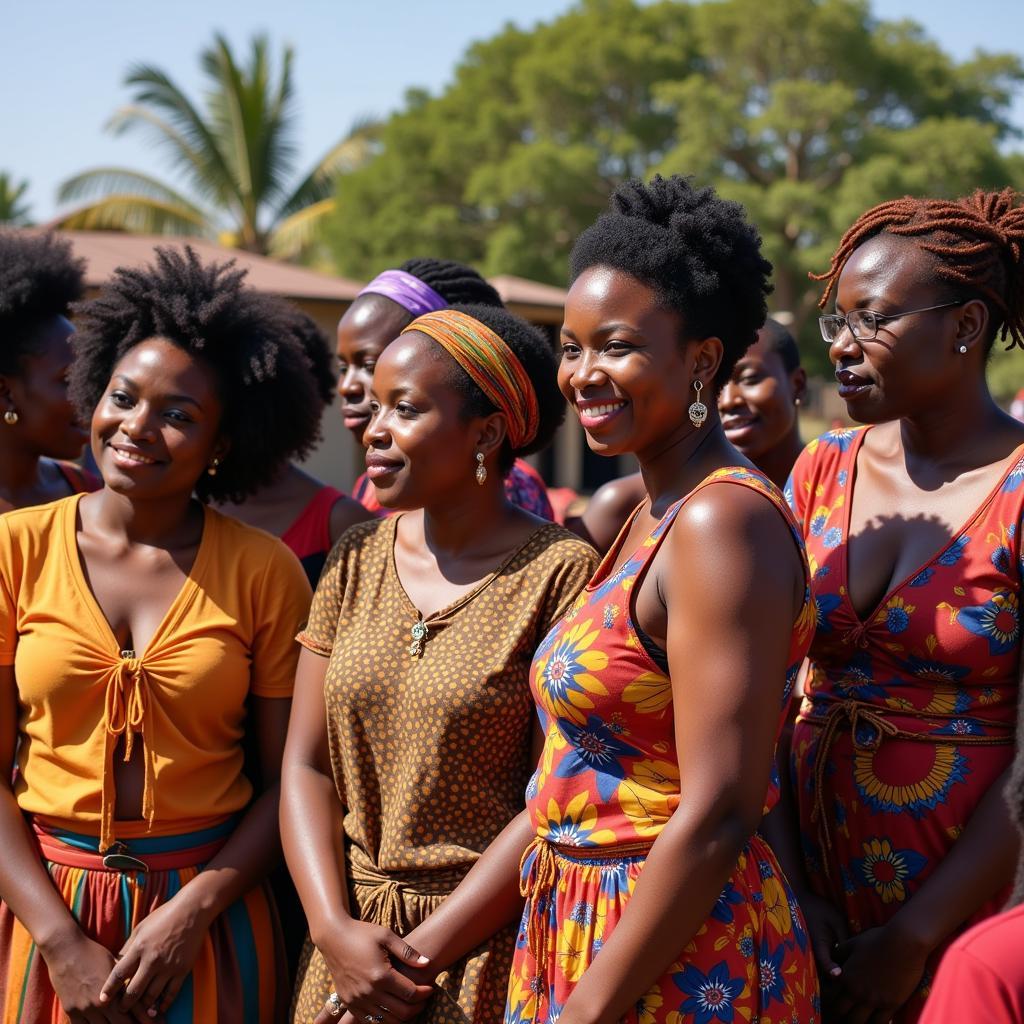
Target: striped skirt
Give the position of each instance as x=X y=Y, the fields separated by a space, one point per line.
x=240 y=974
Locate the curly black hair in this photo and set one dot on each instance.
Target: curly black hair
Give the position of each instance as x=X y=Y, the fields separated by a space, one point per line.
x=699 y=252
x=271 y=400
x=532 y=349
x=318 y=353
x=39 y=279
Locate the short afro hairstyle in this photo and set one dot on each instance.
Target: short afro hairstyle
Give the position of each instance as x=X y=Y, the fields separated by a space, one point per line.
x=318 y=353
x=697 y=251
x=39 y=279
x=782 y=342
x=271 y=401
x=533 y=350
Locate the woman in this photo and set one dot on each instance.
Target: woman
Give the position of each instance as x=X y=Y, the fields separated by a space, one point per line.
x=307 y=514
x=660 y=695
x=381 y=311
x=136 y=623
x=39 y=279
x=758 y=406
x=419 y=643
x=912 y=527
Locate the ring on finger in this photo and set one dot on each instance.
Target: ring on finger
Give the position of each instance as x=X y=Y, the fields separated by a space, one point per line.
x=334 y=1005
x=375 y=1018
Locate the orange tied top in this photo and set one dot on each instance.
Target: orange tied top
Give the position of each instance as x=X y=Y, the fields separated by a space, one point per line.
x=227 y=634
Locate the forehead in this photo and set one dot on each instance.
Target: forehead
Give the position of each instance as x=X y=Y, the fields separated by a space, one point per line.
x=415 y=358
x=158 y=363
x=607 y=293
x=885 y=266
x=370 y=324
x=762 y=354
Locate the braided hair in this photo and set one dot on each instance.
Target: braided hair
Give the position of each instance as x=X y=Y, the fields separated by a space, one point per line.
x=39 y=279
x=270 y=398
x=697 y=251
x=976 y=242
x=456 y=283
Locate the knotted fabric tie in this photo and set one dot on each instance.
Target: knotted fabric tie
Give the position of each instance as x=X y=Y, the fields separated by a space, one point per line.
x=126 y=714
x=858 y=715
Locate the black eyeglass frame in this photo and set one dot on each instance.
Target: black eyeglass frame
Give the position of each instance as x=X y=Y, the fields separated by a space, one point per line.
x=841 y=319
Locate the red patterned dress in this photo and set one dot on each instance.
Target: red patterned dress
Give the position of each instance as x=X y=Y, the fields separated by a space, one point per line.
x=607 y=784
x=910 y=713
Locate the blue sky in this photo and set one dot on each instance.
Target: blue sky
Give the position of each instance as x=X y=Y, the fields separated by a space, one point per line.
x=62 y=63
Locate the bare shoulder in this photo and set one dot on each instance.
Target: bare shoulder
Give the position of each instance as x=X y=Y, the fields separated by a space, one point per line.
x=346 y=512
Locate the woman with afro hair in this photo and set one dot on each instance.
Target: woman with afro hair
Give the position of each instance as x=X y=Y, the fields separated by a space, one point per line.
x=39 y=430
x=381 y=311
x=412 y=737
x=307 y=514
x=913 y=525
x=650 y=897
x=137 y=626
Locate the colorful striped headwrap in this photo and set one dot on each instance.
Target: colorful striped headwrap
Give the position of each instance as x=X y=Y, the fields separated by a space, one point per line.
x=491 y=365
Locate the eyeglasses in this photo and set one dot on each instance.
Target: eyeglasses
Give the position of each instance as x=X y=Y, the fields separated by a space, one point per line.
x=863 y=323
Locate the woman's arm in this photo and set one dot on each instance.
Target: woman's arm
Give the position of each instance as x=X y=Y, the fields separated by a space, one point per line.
x=732 y=584
x=356 y=952
x=162 y=949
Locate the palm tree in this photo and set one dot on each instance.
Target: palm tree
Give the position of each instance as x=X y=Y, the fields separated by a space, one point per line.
x=12 y=209
x=237 y=158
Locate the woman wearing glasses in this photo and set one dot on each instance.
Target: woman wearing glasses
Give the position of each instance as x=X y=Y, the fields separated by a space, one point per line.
x=913 y=527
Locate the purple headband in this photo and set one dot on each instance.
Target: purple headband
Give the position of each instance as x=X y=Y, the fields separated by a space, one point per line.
x=407 y=290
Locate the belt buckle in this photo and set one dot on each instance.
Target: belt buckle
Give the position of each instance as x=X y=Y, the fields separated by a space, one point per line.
x=117 y=858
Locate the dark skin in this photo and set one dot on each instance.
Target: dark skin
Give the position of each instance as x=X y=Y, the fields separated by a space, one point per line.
x=47 y=427
x=277 y=505
x=941 y=445
x=154 y=432
x=758 y=409
x=453 y=533
x=622 y=349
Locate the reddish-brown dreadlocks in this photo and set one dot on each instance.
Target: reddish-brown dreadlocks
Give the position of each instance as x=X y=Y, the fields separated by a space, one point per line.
x=977 y=242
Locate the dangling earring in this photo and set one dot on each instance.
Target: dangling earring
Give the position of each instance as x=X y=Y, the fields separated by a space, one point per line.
x=698 y=411
x=797 y=402
x=10 y=417
x=481 y=469
x=211 y=469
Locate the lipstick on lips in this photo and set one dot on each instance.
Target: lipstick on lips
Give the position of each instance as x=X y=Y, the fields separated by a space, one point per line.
x=596 y=412
x=851 y=384
x=378 y=465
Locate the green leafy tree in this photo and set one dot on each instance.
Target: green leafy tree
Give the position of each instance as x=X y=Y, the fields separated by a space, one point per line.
x=13 y=208
x=807 y=111
x=236 y=157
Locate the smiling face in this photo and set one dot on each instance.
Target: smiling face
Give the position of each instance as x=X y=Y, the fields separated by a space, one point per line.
x=421 y=449
x=625 y=368
x=157 y=427
x=912 y=362
x=47 y=424
x=757 y=404
x=369 y=325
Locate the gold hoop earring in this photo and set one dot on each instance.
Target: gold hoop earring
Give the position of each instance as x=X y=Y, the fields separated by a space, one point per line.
x=481 y=469
x=698 y=411
x=10 y=417
x=211 y=469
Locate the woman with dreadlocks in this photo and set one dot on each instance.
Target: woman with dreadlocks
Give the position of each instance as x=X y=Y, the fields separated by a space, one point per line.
x=913 y=527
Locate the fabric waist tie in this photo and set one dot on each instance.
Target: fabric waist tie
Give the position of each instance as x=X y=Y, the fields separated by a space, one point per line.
x=855 y=713
x=380 y=893
x=537 y=886
x=164 y=853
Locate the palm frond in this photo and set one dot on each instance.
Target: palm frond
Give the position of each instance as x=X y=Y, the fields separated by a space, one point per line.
x=292 y=236
x=122 y=181
x=136 y=214
x=12 y=209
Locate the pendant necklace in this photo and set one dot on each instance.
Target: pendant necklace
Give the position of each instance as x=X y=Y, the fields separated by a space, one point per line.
x=419 y=638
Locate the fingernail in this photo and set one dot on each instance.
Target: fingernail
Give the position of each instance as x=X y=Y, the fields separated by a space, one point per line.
x=103 y=997
x=424 y=959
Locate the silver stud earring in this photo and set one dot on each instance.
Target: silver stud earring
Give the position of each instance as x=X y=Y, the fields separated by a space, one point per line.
x=10 y=417
x=481 y=469
x=962 y=350
x=698 y=411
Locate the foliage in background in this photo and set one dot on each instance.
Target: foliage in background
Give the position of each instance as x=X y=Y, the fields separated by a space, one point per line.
x=807 y=111
x=236 y=157
x=13 y=208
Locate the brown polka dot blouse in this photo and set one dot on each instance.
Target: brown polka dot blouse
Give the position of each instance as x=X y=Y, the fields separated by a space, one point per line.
x=431 y=751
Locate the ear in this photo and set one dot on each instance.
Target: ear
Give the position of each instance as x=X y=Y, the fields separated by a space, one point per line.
x=492 y=433
x=707 y=358
x=798 y=383
x=221 y=447
x=972 y=325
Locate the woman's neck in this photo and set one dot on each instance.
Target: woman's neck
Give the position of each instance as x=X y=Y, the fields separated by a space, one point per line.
x=168 y=522
x=22 y=477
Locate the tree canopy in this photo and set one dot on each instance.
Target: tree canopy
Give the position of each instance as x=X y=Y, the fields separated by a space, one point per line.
x=806 y=111
x=236 y=156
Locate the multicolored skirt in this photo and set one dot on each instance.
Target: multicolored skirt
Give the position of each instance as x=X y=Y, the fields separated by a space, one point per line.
x=750 y=960
x=239 y=975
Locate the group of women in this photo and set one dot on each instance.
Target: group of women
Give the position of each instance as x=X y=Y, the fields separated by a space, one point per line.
x=495 y=752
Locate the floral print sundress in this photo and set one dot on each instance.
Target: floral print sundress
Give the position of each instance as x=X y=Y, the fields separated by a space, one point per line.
x=910 y=713
x=607 y=784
